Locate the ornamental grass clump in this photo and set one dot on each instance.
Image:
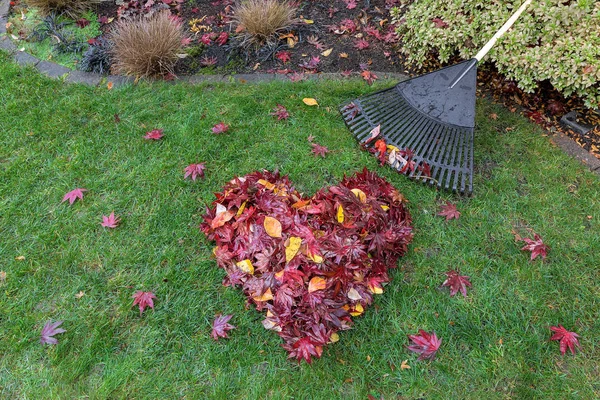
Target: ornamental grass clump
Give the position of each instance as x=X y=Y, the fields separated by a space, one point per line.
x=71 y=8
x=260 y=21
x=312 y=263
x=147 y=46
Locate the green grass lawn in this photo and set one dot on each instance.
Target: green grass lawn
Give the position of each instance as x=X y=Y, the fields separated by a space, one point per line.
x=55 y=137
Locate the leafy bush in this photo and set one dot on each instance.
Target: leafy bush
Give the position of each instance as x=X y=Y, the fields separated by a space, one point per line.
x=64 y=39
x=261 y=20
x=554 y=40
x=73 y=8
x=146 y=46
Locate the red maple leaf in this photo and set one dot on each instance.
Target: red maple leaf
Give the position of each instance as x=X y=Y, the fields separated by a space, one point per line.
x=205 y=39
x=350 y=4
x=186 y=41
x=49 y=330
x=456 y=283
x=369 y=76
x=439 y=23
x=221 y=326
x=221 y=127
x=74 y=195
x=361 y=44
x=222 y=38
x=143 y=300
x=381 y=147
x=194 y=170
x=154 y=134
x=280 y=112
x=567 y=339
x=110 y=221
x=319 y=150
x=449 y=211
x=82 y=22
x=303 y=349
x=536 y=246
x=283 y=56
x=426 y=344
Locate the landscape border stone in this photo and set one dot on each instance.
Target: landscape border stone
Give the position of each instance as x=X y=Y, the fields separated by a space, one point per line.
x=55 y=71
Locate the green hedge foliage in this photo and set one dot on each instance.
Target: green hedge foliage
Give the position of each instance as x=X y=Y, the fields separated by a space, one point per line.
x=554 y=40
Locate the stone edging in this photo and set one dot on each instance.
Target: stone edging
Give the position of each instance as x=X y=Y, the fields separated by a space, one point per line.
x=57 y=71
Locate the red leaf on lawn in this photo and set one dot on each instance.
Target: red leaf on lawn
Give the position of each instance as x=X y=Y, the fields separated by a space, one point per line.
x=567 y=339
x=361 y=44
x=369 y=76
x=143 y=300
x=280 y=112
x=319 y=150
x=536 y=246
x=74 y=195
x=456 y=283
x=110 y=221
x=449 y=211
x=426 y=344
x=194 y=170
x=283 y=56
x=154 y=134
x=221 y=326
x=49 y=330
x=221 y=127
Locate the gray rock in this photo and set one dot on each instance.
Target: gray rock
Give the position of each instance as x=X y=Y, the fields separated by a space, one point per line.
x=7 y=44
x=24 y=59
x=51 y=69
x=86 y=78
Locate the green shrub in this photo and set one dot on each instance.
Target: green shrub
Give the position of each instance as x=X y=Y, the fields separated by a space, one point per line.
x=554 y=40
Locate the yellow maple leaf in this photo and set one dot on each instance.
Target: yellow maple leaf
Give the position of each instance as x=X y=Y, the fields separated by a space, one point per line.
x=273 y=227
x=246 y=266
x=316 y=283
x=358 y=310
x=266 y=296
x=360 y=194
x=310 y=101
x=292 y=248
x=340 y=214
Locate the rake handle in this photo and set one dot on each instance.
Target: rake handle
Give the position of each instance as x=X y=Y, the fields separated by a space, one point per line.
x=507 y=25
x=488 y=46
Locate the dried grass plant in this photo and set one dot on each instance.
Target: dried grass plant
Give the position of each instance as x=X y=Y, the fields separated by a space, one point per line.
x=71 y=8
x=146 y=47
x=260 y=21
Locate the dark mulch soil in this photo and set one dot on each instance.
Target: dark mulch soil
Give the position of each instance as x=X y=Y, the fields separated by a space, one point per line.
x=324 y=17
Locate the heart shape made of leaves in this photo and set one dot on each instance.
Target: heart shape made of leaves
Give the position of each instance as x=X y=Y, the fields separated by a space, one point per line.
x=312 y=263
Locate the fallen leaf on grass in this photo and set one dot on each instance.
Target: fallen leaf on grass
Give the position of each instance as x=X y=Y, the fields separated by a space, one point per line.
x=194 y=171
x=426 y=344
x=110 y=221
x=154 y=134
x=280 y=112
x=49 y=330
x=404 y=365
x=449 y=211
x=74 y=195
x=143 y=300
x=221 y=127
x=310 y=101
x=567 y=339
x=536 y=246
x=2 y=276
x=319 y=150
x=456 y=283
x=80 y=294
x=220 y=326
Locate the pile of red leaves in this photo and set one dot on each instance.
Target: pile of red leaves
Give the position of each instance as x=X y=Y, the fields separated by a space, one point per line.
x=312 y=263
